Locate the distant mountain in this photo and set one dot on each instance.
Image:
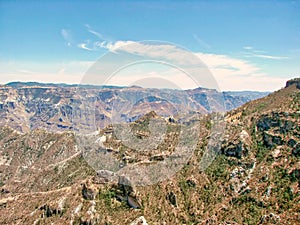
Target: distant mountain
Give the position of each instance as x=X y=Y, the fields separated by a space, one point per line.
x=32 y=105
x=19 y=84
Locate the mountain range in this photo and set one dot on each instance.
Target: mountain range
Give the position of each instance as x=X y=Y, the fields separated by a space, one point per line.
x=62 y=107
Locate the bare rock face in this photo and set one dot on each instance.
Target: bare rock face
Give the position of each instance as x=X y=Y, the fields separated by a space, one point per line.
x=292 y=82
x=239 y=147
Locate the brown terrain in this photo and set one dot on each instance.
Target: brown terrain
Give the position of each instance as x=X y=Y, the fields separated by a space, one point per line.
x=48 y=176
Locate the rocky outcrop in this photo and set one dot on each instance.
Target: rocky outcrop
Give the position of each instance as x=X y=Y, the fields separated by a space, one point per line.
x=279 y=128
x=295 y=81
x=238 y=147
x=278 y=120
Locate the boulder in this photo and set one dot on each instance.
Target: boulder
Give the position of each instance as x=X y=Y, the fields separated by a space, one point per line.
x=276 y=152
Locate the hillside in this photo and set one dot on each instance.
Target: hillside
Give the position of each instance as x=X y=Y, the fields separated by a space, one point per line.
x=254 y=179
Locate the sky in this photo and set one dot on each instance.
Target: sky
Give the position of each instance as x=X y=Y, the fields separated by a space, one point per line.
x=245 y=45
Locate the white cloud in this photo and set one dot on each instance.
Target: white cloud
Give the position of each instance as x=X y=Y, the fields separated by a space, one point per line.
x=155 y=50
x=254 y=53
x=237 y=74
x=118 y=45
x=248 y=47
x=25 y=71
x=84 y=46
x=229 y=72
x=269 y=56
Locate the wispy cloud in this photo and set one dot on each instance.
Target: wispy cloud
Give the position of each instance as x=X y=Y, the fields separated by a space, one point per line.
x=92 y=31
x=251 y=52
x=163 y=51
x=230 y=73
x=248 y=47
x=84 y=46
x=201 y=42
x=68 y=72
x=66 y=34
x=263 y=56
x=92 y=44
x=24 y=71
x=117 y=45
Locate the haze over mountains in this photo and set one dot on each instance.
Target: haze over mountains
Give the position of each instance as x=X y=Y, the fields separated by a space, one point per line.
x=32 y=105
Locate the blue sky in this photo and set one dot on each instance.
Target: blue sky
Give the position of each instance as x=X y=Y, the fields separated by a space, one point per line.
x=253 y=45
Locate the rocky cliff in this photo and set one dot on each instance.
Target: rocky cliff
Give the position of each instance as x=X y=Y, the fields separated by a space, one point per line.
x=295 y=82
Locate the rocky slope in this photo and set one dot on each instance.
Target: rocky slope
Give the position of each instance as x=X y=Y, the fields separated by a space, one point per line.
x=254 y=179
